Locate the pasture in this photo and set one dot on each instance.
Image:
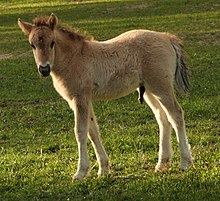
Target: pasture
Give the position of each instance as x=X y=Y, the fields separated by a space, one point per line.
x=38 y=151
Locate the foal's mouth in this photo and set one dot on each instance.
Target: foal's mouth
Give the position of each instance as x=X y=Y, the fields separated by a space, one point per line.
x=44 y=70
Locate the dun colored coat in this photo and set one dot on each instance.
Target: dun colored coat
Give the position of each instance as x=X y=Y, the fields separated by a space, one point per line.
x=84 y=70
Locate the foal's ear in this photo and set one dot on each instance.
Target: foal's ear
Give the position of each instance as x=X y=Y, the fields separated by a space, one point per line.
x=25 y=27
x=52 y=21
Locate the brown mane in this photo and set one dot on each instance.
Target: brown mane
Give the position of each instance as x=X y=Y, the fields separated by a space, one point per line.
x=71 y=33
x=41 y=21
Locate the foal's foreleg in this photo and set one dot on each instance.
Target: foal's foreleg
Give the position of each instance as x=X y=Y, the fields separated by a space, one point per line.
x=94 y=136
x=81 y=111
x=165 y=146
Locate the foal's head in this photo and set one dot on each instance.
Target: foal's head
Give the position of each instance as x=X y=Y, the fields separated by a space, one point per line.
x=42 y=40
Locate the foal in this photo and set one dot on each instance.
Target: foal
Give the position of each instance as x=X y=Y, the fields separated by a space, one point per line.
x=84 y=70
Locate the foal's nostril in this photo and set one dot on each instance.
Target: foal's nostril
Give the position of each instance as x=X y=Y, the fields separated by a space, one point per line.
x=44 y=70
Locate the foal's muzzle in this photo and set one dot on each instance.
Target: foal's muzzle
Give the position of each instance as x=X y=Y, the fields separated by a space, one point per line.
x=44 y=70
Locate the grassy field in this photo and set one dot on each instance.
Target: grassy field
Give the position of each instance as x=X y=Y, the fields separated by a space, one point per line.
x=38 y=152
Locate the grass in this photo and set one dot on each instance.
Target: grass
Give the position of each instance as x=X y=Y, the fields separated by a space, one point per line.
x=38 y=152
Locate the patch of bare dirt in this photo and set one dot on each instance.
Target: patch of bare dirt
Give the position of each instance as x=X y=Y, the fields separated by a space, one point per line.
x=14 y=55
x=135 y=6
x=78 y=0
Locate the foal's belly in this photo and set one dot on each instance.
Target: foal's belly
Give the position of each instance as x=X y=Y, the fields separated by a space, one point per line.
x=116 y=87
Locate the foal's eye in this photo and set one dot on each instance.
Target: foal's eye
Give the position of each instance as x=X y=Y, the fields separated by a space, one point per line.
x=52 y=44
x=33 y=46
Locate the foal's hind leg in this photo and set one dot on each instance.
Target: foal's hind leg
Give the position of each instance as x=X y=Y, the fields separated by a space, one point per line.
x=165 y=146
x=175 y=116
x=94 y=136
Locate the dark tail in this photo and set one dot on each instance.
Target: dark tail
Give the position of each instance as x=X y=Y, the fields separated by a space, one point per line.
x=182 y=73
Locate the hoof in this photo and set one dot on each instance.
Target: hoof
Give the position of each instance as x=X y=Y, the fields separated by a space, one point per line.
x=103 y=172
x=104 y=168
x=185 y=165
x=162 y=167
x=79 y=176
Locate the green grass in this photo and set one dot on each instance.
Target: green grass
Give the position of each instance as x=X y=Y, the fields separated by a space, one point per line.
x=38 y=152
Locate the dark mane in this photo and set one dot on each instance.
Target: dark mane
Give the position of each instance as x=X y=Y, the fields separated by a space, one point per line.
x=69 y=32
x=41 y=21
x=73 y=34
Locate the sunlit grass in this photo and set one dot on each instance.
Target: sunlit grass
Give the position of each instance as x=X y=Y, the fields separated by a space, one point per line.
x=38 y=152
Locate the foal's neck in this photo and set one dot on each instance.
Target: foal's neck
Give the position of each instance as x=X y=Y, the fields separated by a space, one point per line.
x=67 y=54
